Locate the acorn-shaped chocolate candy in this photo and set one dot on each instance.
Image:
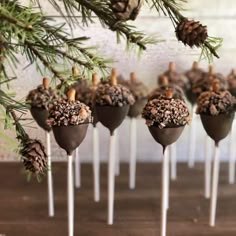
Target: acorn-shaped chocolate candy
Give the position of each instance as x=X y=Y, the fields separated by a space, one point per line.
x=216 y=109
x=163 y=86
x=166 y=118
x=176 y=78
x=112 y=103
x=140 y=93
x=86 y=92
x=69 y=120
x=193 y=75
x=205 y=83
x=40 y=100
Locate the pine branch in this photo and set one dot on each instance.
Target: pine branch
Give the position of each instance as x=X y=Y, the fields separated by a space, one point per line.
x=44 y=61
x=47 y=43
x=102 y=10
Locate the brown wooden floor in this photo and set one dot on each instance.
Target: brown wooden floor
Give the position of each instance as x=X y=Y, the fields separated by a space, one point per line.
x=23 y=206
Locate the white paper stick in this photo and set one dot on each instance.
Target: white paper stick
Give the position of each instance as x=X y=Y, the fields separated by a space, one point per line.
x=232 y=157
x=208 y=159
x=133 y=152
x=117 y=153
x=50 y=179
x=167 y=178
x=192 y=140
x=70 y=200
x=77 y=169
x=214 y=190
x=164 y=194
x=173 y=161
x=96 y=166
x=111 y=179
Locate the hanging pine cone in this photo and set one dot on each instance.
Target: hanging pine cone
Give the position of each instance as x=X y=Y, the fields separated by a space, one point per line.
x=192 y=33
x=126 y=9
x=33 y=156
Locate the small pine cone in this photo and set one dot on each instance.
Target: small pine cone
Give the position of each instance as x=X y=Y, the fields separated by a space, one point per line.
x=191 y=33
x=33 y=156
x=126 y=9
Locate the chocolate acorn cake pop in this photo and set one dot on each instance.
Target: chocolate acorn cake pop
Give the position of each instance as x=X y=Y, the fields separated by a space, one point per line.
x=204 y=84
x=69 y=120
x=166 y=118
x=112 y=103
x=231 y=78
x=85 y=93
x=193 y=75
x=216 y=109
x=140 y=93
x=40 y=100
x=175 y=78
x=164 y=85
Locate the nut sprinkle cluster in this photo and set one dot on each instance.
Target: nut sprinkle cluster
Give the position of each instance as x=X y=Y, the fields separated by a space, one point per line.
x=41 y=97
x=113 y=95
x=215 y=103
x=166 y=112
x=65 y=112
x=136 y=87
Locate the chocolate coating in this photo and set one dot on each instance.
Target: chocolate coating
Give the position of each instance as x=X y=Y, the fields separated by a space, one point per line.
x=40 y=115
x=217 y=127
x=110 y=116
x=165 y=136
x=70 y=137
x=136 y=109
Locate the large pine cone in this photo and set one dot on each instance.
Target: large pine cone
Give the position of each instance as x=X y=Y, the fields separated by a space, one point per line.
x=126 y=9
x=33 y=156
x=191 y=33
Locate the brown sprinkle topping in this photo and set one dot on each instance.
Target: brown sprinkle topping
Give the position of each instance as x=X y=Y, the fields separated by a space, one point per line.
x=166 y=112
x=215 y=103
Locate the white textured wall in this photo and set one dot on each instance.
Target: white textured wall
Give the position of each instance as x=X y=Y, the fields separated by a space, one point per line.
x=219 y=15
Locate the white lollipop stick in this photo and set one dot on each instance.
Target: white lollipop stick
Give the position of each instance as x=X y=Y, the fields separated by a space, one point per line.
x=77 y=169
x=50 y=181
x=192 y=138
x=164 y=194
x=133 y=150
x=167 y=178
x=231 y=157
x=214 y=190
x=173 y=161
x=70 y=200
x=96 y=166
x=111 y=178
x=117 y=154
x=207 y=177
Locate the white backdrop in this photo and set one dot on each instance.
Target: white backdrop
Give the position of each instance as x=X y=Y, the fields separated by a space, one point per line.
x=219 y=15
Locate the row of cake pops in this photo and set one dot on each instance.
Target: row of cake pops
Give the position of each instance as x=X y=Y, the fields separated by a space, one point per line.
x=194 y=82
x=177 y=93
x=109 y=100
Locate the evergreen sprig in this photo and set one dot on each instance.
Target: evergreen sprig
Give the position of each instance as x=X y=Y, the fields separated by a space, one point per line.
x=102 y=10
x=29 y=32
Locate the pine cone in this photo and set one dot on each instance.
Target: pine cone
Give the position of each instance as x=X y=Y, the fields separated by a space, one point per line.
x=191 y=33
x=33 y=156
x=126 y=9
